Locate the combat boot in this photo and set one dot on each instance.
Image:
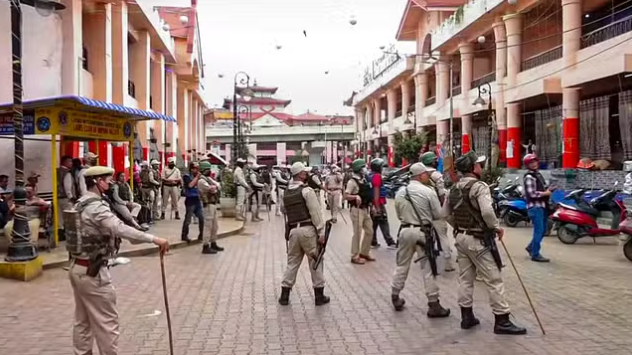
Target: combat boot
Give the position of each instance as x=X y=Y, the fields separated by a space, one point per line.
x=436 y=311
x=162 y=216
x=177 y=215
x=284 y=300
x=398 y=302
x=319 y=296
x=468 y=320
x=206 y=249
x=216 y=247
x=503 y=325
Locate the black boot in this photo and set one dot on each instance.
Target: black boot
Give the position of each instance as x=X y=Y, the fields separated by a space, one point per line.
x=284 y=300
x=177 y=215
x=186 y=239
x=216 y=247
x=468 y=320
x=319 y=296
x=200 y=237
x=503 y=325
x=436 y=311
x=398 y=302
x=206 y=249
x=162 y=216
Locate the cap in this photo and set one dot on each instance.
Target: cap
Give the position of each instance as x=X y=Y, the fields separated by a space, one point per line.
x=171 y=159
x=34 y=175
x=98 y=171
x=298 y=168
x=155 y=162
x=241 y=160
x=90 y=155
x=420 y=168
x=205 y=166
x=144 y=163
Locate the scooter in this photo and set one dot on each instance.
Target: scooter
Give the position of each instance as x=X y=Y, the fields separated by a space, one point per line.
x=626 y=237
x=581 y=220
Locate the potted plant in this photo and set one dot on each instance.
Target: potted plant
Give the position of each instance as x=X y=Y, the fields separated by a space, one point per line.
x=227 y=199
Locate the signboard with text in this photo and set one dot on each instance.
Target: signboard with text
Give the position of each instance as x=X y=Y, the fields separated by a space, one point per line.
x=83 y=124
x=6 y=124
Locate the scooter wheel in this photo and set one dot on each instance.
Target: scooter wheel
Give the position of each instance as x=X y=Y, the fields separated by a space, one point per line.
x=627 y=250
x=566 y=236
x=510 y=220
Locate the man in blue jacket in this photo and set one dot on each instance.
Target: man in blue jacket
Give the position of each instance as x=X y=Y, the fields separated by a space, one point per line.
x=192 y=201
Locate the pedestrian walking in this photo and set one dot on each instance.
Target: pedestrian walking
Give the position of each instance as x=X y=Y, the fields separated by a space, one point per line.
x=537 y=193
x=92 y=244
x=476 y=226
x=359 y=193
x=305 y=228
x=417 y=206
x=379 y=215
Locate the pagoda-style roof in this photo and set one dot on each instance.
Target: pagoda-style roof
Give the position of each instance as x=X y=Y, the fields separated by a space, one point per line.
x=258 y=101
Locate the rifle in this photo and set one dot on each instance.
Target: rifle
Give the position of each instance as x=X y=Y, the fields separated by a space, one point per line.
x=322 y=247
x=287 y=233
x=489 y=235
x=429 y=246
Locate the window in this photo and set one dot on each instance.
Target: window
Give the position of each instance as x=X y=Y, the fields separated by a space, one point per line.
x=84 y=58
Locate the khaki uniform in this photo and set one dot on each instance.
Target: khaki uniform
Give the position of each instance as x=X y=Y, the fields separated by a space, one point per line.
x=362 y=222
x=156 y=206
x=66 y=195
x=427 y=206
x=473 y=257
x=242 y=188
x=441 y=226
x=304 y=241
x=333 y=186
x=81 y=180
x=96 y=316
x=257 y=194
x=211 y=219
x=170 y=193
x=149 y=192
x=278 y=177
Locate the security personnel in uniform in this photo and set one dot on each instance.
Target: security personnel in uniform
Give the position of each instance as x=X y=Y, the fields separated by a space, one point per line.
x=155 y=169
x=66 y=194
x=209 y=194
x=149 y=184
x=412 y=202
x=257 y=190
x=306 y=227
x=89 y=159
x=171 y=179
x=429 y=159
x=93 y=242
x=315 y=182
x=333 y=186
x=473 y=257
x=359 y=193
x=281 y=185
x=243 y=189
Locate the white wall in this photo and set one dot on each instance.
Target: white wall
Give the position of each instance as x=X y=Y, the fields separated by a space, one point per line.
x=41 y=54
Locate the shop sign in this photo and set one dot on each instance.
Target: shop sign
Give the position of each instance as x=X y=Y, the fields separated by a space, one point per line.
x=76 y=123
x=381 y=65
x=6 y=124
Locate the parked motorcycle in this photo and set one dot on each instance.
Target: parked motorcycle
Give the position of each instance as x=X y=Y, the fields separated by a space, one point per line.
x=581 y=220
x=626 y=227
x=393 y=185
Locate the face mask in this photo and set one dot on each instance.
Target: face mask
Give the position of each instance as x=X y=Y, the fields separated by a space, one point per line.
x=172 y=165
x=207 y=173
x=103 y=185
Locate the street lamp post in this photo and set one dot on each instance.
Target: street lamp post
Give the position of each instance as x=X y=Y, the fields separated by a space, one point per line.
x=486 y=89
x=241 y=83
x=21 y=248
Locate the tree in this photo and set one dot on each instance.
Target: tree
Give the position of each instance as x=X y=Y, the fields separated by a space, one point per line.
x=409 y=148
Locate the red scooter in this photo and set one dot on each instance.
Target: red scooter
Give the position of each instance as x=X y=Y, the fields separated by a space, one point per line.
x=626 y=238
x=579 y=221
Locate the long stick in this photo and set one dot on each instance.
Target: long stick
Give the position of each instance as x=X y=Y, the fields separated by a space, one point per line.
x=523 y=288
x=164 y=292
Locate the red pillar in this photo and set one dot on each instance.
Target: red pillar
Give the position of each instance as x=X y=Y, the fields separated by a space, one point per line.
x=146 y=154
x=514 y=135
x=118 y=159
x=103 y=153
x=502 y=145
x=69 y=148
x=92 y=147
x=465 y=143
x=570 y=132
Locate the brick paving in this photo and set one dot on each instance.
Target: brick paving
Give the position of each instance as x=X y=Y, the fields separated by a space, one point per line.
x=226 y=304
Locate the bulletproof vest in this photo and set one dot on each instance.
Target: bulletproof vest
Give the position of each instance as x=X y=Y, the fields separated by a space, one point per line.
x=124 y=192
x=382 y=187
x=365 y=193
x=257 y=188
x=281 y=184
x=209 y=198
x=295 y=207
x=144 y=178
x=265 y=176
x=540 y=184
x=311 y=183
x=61 y=175
x=79 y=242
x=463 y=215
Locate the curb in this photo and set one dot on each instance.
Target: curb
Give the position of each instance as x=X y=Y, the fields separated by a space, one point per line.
x=153 y=249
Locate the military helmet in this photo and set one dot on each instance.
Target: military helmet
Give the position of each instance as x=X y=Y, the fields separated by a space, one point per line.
x=465 y=163
x=205 y=165
x=357 y=165
x=377 y=164
x=428 y=158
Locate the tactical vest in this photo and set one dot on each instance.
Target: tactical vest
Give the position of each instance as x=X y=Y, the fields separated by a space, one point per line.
x=266 y=178
x=61 y=175
x=144 y=179
x=78 y=242
x=311 y=183
x=365 y=192
x=281 y=184
x=295 y=207
x=463 y=218
x=209 y=198
x=256 y=188
x=124 y=192
x=540 y=184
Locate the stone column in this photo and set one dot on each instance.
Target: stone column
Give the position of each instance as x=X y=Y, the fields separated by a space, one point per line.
x=499 y=96
x=513 y=25
x=571 y=40
x=405 y=98
x=467 y=69
x=443 y=134
x=391 y=150
x=120 y=54
x=368 y=123
x=98 y=43
x=421 y=95
x=377 y=115
x=72 y=31
x=443 y=80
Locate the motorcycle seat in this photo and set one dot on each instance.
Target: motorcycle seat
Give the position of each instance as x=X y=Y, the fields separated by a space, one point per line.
x=590 y=211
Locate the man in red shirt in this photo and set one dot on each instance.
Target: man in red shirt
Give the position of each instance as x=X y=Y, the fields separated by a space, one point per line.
x=379 y=216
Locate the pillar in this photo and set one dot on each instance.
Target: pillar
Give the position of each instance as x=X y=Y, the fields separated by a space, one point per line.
x=571 y=28
x=377 y=116
x=514 y=136
x=466 y=132
x=158 y=95
x=443 y=134
x=391 y=103
x=405 y=98
x=391 y=150
x=140 y=74
x=183 y=107
x=171 y=99
x=72 y=48
x=467 y=69
x=499 y=96
x=421 y=95
x=98 y=42
x=443 y=80
x=120 y=52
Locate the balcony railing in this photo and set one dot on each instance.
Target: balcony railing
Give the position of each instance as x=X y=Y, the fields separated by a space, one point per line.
x=456 y=91
x=541 y=59
x=131 y=89
x=607 y=32
x=431 y=101
x=411 y=108
x=487 y=78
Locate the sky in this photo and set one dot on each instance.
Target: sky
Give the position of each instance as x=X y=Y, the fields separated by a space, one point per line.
x=243 y=35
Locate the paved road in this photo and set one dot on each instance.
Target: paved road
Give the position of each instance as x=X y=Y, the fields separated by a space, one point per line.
x=226 y=304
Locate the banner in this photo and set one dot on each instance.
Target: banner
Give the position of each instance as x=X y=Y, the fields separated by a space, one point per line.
x=6 y=124
x=83 y=124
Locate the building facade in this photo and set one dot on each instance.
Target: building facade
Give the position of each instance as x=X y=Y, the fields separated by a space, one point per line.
x=273 y=136
x=550 y=75
x=116 y=52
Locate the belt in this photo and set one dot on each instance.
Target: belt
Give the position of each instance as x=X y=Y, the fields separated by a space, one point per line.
x=336 y=189
x=301 y=224
x=170 y=185
x=406 y=225
x=474 y=233
x=82 y=262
